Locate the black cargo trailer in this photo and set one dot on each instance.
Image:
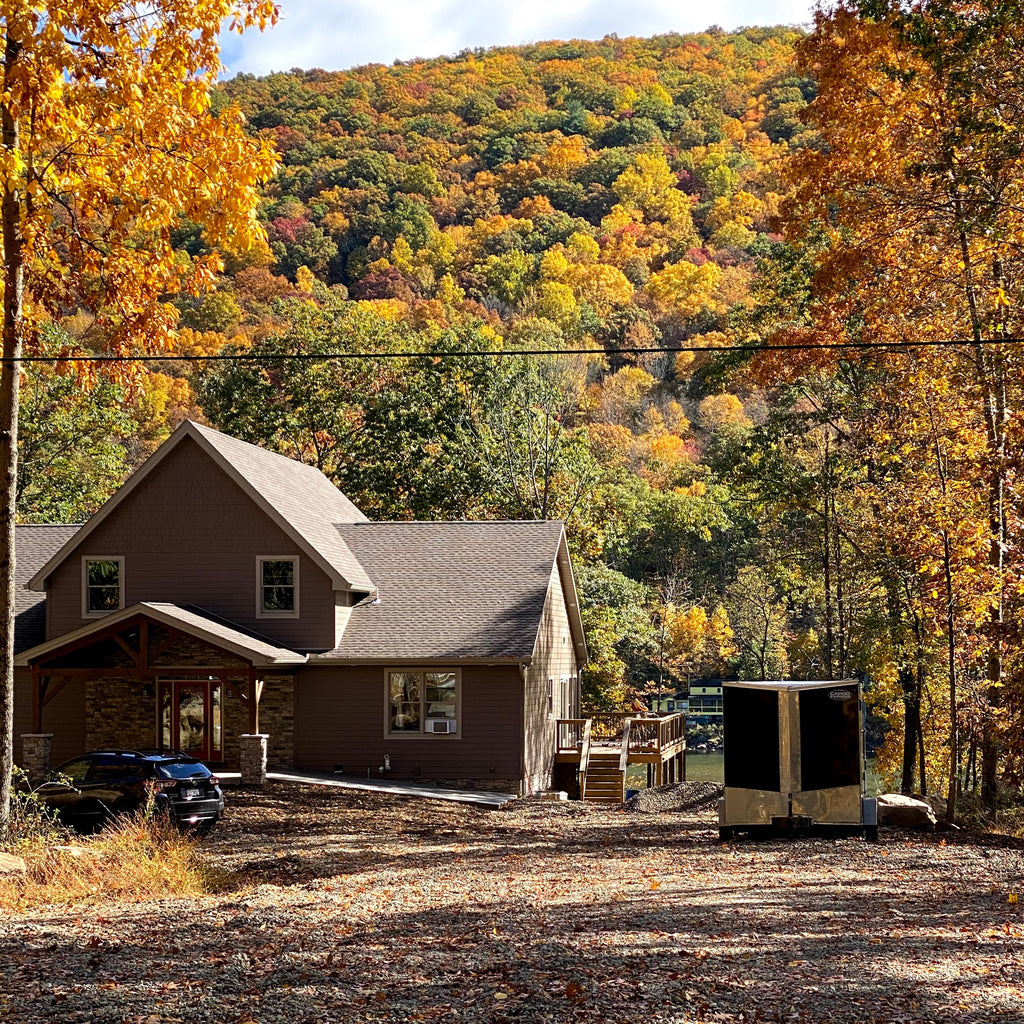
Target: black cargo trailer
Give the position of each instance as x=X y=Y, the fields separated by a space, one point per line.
x=794 y=757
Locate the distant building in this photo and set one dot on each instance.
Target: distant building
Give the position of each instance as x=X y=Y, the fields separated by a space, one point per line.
x=704 y=703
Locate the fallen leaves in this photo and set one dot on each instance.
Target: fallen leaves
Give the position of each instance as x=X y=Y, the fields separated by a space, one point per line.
x=541 y=913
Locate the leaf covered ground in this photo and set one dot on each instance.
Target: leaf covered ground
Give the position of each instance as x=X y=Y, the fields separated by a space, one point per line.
x=364 y=907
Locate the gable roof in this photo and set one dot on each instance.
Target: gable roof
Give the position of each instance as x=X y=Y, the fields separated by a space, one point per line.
x=297 y=497
x=34 y=546
x=197 y=622
x=455 y=590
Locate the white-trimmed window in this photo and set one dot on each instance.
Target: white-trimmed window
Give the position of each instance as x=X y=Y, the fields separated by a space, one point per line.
x=102 y=584
x=423 y=702
x=278 y=585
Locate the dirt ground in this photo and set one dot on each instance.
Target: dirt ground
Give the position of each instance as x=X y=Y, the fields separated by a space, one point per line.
x=341 y=907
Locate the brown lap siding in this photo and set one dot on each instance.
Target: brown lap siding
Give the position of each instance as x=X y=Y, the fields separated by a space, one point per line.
x=340 y=721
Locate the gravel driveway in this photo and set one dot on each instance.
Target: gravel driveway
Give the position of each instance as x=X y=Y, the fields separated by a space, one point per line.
x=342 y=907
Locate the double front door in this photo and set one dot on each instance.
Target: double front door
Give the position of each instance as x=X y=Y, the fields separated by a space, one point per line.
x=192 y=717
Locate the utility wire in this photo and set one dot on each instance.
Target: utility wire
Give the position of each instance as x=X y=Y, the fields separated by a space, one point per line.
x=253 y=357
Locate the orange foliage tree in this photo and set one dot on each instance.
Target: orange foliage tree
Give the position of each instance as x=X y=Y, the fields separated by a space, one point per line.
x=108 y=137
x=914 y=204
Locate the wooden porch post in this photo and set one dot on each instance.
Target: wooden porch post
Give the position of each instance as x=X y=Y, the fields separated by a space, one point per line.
x=255 y=692
x=37 y=700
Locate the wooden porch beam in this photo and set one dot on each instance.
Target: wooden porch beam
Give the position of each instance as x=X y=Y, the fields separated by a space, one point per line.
x=58 y=684
x=144 y=644
x=93 y=638
x=187 y=672
x=173 y=635
x=127 y=648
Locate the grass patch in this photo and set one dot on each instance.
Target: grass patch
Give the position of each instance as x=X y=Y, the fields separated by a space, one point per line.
x=134 y=858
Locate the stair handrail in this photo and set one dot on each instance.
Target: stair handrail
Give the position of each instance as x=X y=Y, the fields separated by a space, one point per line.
x=624 y=751
x=585 y=757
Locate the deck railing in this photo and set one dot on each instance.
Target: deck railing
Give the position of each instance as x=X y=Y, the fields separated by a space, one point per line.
x=584 y=758
x=637 y=735
x=569 y=734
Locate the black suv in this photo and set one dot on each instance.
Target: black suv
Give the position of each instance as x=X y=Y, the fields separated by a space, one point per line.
x=89 y=790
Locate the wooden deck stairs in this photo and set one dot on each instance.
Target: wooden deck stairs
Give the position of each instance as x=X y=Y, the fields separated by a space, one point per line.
x=604 y=781
x=602 y=746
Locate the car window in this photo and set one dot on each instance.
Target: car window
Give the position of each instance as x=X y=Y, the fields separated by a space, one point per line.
x=182 y=770
x=75 y=771
x=115 y=768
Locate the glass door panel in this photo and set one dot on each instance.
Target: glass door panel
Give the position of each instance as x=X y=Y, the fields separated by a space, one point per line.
x=193 y=718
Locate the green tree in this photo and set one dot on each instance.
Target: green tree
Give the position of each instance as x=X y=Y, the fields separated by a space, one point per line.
x=75 y=441
x=388 y=432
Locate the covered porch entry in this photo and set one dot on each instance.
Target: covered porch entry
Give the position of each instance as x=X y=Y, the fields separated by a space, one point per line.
x=172 y=677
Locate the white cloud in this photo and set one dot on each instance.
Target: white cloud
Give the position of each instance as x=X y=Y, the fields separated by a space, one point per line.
x=344 y=33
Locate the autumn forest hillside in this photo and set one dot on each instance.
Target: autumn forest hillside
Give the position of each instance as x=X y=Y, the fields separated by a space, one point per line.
x=633 y=198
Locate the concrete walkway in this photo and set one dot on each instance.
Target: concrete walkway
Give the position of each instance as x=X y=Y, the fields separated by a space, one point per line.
x=478 y=798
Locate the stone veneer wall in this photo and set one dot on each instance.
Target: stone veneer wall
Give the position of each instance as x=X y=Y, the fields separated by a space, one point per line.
x=277 y=720
x=186 y=651
x=118 y=715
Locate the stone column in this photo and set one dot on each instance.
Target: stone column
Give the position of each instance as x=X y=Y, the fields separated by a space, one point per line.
x=253 y=758
x=36 y=754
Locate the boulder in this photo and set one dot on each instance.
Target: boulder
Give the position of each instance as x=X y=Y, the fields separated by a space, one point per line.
x=905 y=811
x=11 y=866
x=936 y=803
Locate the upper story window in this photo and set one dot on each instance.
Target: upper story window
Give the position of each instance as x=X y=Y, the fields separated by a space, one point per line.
x=102 y=585
x=279 y=586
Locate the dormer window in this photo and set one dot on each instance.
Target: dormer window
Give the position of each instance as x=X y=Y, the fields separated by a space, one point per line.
x=279 y=586
x=102 y=585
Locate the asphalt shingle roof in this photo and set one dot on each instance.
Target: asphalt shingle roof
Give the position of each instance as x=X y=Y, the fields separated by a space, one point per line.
x=310 y=504
x=255 y=647
x=199 y=622
x=34 y=547
x=450 y=589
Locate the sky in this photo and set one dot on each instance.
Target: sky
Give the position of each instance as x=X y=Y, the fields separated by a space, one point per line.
x=338 y=34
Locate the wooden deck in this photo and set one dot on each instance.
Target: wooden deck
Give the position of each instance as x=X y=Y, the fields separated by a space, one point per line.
x=604 y=745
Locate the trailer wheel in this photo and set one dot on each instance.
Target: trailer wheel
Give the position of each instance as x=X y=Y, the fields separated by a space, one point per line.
x=725 y=834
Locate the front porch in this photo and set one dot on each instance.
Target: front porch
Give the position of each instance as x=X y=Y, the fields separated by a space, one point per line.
x=603 y=746
x=168 y=677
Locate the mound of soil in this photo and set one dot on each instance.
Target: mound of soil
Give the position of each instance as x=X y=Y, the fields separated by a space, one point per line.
x=682 y=796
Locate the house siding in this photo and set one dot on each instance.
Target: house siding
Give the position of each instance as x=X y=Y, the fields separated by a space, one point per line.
x=340 y=722
x=203 y=552
x=553 y=658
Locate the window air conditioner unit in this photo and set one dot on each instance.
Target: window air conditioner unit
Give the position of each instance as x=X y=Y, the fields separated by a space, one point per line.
x=441 y=725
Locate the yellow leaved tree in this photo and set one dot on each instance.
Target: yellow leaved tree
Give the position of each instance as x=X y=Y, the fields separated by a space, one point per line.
x=108 y=138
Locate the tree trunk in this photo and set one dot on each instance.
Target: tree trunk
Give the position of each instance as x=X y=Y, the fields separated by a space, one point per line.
x=10 y=380
x=954 y=732
x=911 y=725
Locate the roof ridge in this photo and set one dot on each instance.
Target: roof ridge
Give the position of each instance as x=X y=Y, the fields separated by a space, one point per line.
x=456 y=522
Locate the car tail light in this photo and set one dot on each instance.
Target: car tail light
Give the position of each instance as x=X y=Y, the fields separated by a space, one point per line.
x=165 y=783
x=213 y=780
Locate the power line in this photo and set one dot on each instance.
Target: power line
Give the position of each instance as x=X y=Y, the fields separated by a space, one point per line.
x=253 y=357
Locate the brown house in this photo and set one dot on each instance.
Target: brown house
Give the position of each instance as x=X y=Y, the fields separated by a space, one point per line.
x=229 y=601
